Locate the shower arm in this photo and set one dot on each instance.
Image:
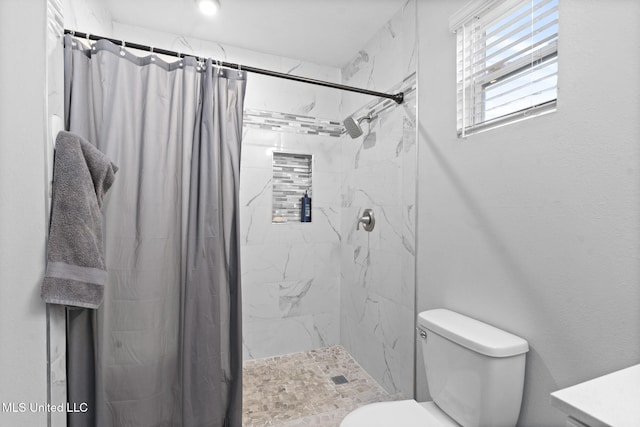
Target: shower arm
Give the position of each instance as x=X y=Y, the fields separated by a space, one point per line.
x=368 y=118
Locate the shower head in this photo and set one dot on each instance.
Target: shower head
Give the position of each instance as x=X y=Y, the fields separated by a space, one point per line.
x=352 y=126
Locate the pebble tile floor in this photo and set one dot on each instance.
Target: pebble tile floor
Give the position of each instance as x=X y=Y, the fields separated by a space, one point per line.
x=298 y=390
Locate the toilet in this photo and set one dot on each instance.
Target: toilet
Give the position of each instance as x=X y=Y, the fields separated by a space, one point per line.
x=475 y=374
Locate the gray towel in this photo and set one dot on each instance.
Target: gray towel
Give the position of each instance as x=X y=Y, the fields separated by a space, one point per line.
x=76 y=272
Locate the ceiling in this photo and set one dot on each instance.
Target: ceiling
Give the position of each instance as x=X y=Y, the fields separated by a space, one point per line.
x=328 y=32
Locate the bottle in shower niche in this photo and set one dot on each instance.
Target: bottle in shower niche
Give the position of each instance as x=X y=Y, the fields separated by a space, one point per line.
x=305 y=208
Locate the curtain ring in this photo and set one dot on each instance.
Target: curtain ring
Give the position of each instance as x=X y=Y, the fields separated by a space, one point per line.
x=92 y=46
x=180 y=60
x=122 y=46
x=239 y=70
x=153 y=57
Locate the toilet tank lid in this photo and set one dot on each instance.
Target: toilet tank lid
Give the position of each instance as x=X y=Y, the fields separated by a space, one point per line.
x=472 y=334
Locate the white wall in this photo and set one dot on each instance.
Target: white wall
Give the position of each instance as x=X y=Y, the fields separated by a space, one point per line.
x=534 y=227
x=23 y=371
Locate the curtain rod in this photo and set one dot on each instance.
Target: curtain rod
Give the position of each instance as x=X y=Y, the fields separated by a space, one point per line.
x=397 y=97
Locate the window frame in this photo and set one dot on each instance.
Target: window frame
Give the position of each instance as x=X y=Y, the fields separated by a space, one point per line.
x=472 y=119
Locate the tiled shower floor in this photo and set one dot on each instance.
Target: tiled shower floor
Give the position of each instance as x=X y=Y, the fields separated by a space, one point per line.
x=298 y=390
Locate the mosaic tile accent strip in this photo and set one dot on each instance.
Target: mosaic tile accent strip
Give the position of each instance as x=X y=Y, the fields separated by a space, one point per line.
x=285 y=122
x=297 y=389
x=291 y=178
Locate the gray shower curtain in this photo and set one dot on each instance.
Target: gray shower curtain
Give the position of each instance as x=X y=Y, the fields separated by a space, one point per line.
x=164 y=349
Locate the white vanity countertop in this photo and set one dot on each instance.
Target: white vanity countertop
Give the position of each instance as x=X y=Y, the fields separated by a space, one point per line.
x=610 y=400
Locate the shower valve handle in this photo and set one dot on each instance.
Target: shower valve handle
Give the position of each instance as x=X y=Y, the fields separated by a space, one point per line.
x=367 y=219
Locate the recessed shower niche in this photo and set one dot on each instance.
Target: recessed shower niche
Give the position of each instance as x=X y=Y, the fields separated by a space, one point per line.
x=292 y=179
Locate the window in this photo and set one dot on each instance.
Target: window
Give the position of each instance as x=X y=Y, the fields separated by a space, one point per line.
x=507 y=61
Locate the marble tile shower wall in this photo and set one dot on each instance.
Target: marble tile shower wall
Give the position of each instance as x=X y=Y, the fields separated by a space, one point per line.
x=56 y=317
x=379 y=172
x=291 y=271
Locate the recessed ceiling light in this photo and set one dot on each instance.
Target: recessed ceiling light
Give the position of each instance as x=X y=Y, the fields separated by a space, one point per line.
x=208 y=7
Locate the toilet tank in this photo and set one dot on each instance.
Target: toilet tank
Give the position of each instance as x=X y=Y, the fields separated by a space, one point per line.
x=475 y=372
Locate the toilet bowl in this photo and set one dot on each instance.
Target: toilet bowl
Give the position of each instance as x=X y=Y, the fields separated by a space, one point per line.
x=475 y=374
x=402 y=413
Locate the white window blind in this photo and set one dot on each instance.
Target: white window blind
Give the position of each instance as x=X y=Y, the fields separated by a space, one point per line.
x=507 y=61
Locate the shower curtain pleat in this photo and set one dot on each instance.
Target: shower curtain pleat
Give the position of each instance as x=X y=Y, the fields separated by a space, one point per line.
x=165 y=347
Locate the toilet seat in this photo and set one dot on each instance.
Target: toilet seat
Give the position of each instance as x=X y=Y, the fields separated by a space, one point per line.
x=405 y=413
